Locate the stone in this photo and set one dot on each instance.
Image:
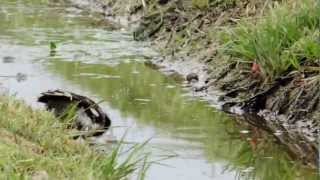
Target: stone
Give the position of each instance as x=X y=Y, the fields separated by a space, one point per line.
x=192 y=77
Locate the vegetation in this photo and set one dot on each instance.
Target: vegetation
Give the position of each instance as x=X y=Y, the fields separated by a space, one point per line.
x=286 y=39
x=33 y=141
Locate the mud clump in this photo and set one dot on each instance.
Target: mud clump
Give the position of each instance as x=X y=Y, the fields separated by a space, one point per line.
x=192 y=77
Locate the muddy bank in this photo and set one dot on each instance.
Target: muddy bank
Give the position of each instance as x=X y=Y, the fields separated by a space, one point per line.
x=287 y=108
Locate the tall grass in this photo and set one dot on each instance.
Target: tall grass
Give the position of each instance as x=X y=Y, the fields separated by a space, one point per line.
x=33 y=141
x=283 y=40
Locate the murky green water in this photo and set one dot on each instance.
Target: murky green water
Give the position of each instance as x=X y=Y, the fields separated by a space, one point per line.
x=108 y=65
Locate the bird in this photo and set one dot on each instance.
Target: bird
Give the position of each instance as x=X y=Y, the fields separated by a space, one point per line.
x=88 y=115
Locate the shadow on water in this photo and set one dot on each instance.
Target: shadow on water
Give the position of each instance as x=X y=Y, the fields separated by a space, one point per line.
x=108 y=64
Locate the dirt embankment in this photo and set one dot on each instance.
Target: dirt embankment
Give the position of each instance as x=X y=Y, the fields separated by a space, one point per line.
x=186 y=33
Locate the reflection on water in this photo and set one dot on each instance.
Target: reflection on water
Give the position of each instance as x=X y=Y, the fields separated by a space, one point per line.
x=108 y=65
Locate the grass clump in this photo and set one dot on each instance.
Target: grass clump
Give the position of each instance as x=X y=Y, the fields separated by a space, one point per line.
x=205 y=4
x=34 y=141
x=285 y=39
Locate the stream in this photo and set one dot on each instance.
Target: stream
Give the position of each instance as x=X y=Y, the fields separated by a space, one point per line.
x=190 y=139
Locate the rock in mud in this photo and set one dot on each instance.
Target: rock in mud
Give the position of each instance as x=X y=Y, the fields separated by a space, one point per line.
x=88 y=115
x=192 y=77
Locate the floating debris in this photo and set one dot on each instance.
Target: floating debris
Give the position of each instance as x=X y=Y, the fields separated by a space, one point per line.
x=135 y=72
x=244 y=131
x=87 y=74
x=19 y=76
x=108 y=77
x=143 y=103
x=143 y=100
x=170 y=86
x=8 y=59
x=88 y=116
x=268 y=157
x=98 y=76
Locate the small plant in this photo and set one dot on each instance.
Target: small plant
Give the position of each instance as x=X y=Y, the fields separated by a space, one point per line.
x=53 y=48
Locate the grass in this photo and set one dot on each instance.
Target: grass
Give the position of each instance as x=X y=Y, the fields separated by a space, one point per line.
x=283 y=40
x=205 y=4
x=34 y=141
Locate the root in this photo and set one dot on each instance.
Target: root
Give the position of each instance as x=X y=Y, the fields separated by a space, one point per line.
x=234 y=93
x=305 y=102
x=258 y=102
x=225 y=71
